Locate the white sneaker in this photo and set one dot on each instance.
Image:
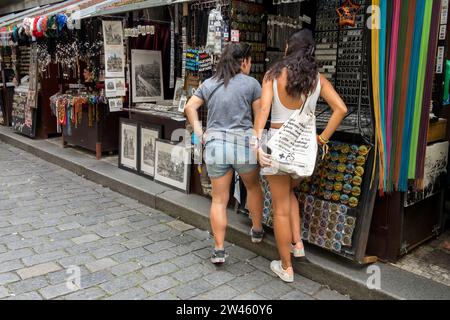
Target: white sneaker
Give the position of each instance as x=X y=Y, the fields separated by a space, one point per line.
x=285 y=275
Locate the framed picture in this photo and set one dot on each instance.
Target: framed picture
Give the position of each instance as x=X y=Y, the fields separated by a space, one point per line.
x=115 y=62
x=147 y=76
x=110 y=86
x=179 y=86
x=172 y=164
x=128 y=145
x=148 y=134
x=112 y=33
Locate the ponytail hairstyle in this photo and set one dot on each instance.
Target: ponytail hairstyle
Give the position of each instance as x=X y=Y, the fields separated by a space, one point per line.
x=301 y=64
x=231 y=60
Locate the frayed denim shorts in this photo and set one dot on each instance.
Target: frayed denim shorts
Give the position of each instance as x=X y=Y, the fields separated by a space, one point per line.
x=220 y=156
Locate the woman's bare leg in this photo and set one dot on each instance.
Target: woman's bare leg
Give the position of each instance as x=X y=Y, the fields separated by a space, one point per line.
x=218 y=213
x=280 y=187
x=255 y=198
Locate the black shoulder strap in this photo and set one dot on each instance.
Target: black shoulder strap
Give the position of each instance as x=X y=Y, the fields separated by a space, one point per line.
x=214 y=91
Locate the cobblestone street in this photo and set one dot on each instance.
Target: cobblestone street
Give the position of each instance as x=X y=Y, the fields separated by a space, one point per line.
x=52 y=220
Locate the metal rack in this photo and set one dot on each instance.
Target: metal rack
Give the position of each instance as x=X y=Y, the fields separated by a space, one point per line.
x=342 y=55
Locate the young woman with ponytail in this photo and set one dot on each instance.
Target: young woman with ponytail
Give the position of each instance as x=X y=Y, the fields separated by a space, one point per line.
x=285 y=89
x=230 y=97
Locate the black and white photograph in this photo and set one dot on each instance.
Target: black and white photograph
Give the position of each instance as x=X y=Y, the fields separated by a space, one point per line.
x=110 y=86
x=179 y=86
x=436 y=161
x=128 y=145
x=172 y=164
x=148 y=135
x=120 y=87
x=147 y=77
x=113 y=33
x=114 y=61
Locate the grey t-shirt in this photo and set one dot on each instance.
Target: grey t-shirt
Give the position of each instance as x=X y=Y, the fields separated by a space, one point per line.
x=230 y=107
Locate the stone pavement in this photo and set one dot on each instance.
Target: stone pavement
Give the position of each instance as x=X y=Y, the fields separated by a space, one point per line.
x=55 y=225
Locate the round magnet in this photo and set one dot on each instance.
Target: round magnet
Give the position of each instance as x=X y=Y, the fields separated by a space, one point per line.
x=329 y=186
x=310 y=200
x=345 y=148
x=348 y=178
x=341 y=168
x=331 y=176
x=354 y=149
x=320 y=241
x=340 y=228
x=357 y=180
x=325 y=215
x=347 y=241
x=326 y=206
x=348 y=230
x=350 y=169
x=344 y=199
x=351 y=159
x=338 y=236
x=328 y=244
x=340 y=176
x=342 y=158
x=356 y=191
x=334 y=207
x=359 y=171
x=341 y=218
x=308 y=208
x=343 y=209
x=337 y=246
x=334 y=156
x=353 y=202
x=351 y=221
x=363 y=150
x=338 y=186
x=336 y=196
x=327 y=195
x=329 y=234
x=360 y=160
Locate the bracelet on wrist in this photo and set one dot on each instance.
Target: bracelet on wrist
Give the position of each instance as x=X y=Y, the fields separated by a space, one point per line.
x=322 y=140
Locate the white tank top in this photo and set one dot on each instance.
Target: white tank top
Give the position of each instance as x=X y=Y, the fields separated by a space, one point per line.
x=280 y=114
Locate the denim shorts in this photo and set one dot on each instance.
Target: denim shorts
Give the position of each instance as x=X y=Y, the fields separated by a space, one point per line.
x=220 y=156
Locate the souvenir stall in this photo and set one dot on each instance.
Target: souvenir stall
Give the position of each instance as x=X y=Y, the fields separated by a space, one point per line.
x=7 y=65
x=381 y=157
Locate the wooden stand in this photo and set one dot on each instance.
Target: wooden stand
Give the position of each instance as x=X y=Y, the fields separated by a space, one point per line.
x=102 y=136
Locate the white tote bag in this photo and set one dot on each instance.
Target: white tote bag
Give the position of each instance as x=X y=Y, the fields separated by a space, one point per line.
x=294 y=146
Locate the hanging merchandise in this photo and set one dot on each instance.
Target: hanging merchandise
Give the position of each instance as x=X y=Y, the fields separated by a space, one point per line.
x=215 y=32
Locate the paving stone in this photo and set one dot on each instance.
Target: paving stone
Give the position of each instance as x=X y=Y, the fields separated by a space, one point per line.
x=8 y=277
x=88 y=294
x=101 y=264
x=193 y=272
x=27 y=296
x=130 y=294
x=10 y=266
x=137 y=242
x=327 y=294
x=159 y=246
x=159 y=269
x=219 y=277
x=69 y=226
x=122 y=283
x=306 y=285
x=46 y=257
x=250 y=296
x=191 y=289
x=53 y=245
x=223 y=292
x=96 y=278
x=129 y=255
x=77 y=260
x=186 y=260
x=163 y=296
x=250 y=281
x=241 y=253
x=38 y=270
x=28 y=285
x=240 y=269
x=296 y=295
x=160 y=284
x=155 y=258
x=86 y=238
x=68 y=234
x=15 y=254
x=108 y=251
x=4 y=292
x=55 y=291
x=180 y=225
x=274 y=289
x=125 y=268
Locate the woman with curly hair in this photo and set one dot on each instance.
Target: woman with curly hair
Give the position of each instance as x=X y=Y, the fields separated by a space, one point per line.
x=285 y=89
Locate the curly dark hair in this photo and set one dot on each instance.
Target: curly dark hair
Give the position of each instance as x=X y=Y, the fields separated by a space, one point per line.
x=300 y=63
x=231 y=60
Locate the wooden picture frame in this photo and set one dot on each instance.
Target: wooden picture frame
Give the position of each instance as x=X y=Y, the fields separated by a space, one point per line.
x=128 y=145
x=147 y=76
x=172 y=164
x=148 y=134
